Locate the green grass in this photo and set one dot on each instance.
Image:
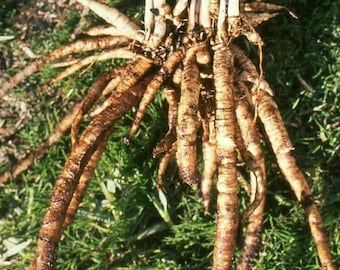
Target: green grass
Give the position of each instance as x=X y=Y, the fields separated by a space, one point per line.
x=122 y=223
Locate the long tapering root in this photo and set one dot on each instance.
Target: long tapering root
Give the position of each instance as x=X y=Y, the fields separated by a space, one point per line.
x=121 y=53
x=269 y=114
x=282 y=147
x=188 y=121
x=84 y=181
x=255 y=161
x=63 y=126
x=120 y=102
x=75 y=47
x=207 y=111
x=227 y=208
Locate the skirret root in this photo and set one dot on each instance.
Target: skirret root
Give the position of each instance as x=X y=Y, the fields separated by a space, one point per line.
x=219 y=110
x=188 y=123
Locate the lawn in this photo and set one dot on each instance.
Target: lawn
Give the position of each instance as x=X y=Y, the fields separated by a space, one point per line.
x=123 y=223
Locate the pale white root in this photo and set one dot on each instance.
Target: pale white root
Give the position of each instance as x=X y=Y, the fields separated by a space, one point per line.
x=114 y=17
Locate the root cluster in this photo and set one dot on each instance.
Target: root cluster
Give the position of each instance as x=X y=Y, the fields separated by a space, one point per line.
x=216 y=96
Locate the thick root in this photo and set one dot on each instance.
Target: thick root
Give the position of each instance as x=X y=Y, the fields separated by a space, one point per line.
x=84 y=181
x=160 y=77
x=255 y=161
x=227 y=207
x=123 y=24
x=282 y=146
x=188 y=121
x=120 y=103
x=207 y=111
x=91 y=98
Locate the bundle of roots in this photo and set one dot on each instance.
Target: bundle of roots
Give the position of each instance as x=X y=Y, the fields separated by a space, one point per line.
x=212 y=88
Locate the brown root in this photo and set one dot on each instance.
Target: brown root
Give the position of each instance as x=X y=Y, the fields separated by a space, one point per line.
x=120 y=103
x=163 y=165
x=166 y=143
x=282 y=146
x=91 y=98
x=255 y=161
x=227 y=207
x=160 y=77
x=75 y=47
x=84 y=181
x=207 y=111
x=88 y=61
x=63 y=126
x=188 y=120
